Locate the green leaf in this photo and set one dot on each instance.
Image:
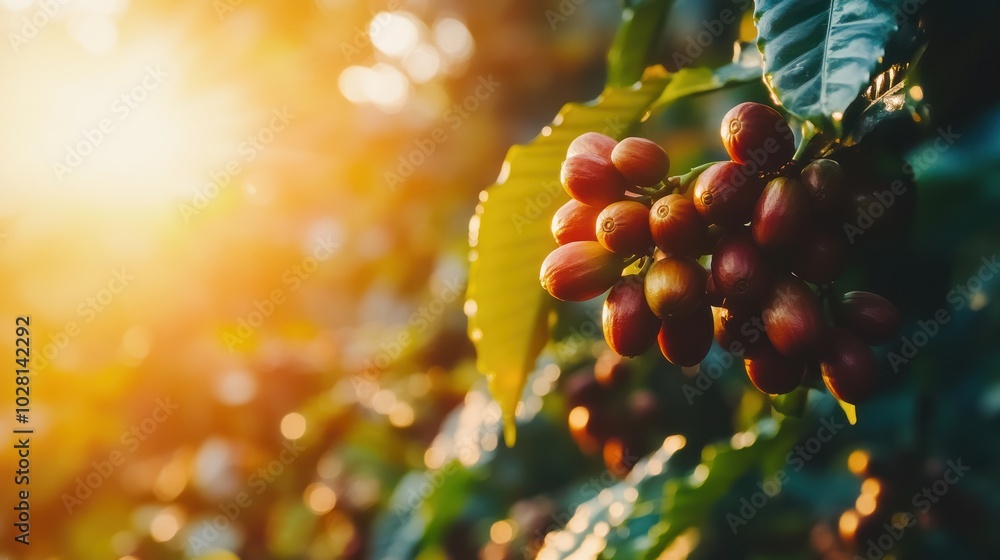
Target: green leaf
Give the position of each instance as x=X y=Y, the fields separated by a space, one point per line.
x=889 y=97
x=820 y=54
x=791 y=404
x=644 y=514
x=697 y=80
x=688 y=501
x=510 y=237
x=636 y=40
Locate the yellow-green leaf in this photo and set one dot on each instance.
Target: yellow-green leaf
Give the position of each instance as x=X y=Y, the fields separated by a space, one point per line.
x=850 y=411
x=510 y=237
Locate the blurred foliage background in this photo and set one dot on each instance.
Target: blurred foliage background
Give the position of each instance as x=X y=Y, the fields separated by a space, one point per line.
x=248 y=331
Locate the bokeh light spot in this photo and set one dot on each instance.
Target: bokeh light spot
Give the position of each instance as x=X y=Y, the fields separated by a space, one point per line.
x=293 y=425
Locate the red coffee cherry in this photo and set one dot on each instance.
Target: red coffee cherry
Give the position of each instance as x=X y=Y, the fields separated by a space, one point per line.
x=740 y=269
x=821 y=257
x=726 y=192
x=793 y=318
x=742 y=328
x=781 y=214
x=825 y=182
x=641 y=161
x=685 y=341
x=592 y=180
x=849 y=368
x=771 y=372
x=612 y=370
x=592 y=143
x=715 y=234
x=758 y=136
x=574 y=221
x=581 y=389
x=623 y=228
x=630 y=327
x=580 y=270
x=676 y=226
x=712 y=294
x=675 y=286
x=719 y=329
x=870 y=316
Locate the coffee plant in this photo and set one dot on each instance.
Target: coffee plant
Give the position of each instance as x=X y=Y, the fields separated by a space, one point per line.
x=751 y=260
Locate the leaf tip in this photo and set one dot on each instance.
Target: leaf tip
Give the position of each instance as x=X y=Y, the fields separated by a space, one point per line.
x=509 y=430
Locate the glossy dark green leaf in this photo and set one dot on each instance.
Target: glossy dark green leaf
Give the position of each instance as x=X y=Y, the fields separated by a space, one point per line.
x=820 y=54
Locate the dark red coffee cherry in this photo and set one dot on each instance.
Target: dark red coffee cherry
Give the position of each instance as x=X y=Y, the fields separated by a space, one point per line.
x=870 y=316
x=592 y=180
x=612 y=370
x=630 y=327
x=793 y=318
x=849 y=368
x=641 y=161
x=675 y=286
x=771 y=372
x=686 y=340
x=623 y=228
x=579 y=271
x=824 y=180
x=574 y=221
x=676 y=226
x=757 y=135
x=592 y=143
x=740 y=269
x=582 y=389
x=821 y=256
x=781 y=214
x=742 y=328
x=726 y=193
x=713 y=296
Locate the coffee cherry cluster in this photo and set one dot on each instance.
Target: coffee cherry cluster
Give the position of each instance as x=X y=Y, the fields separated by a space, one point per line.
x=771 y=226
x=610 y=416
